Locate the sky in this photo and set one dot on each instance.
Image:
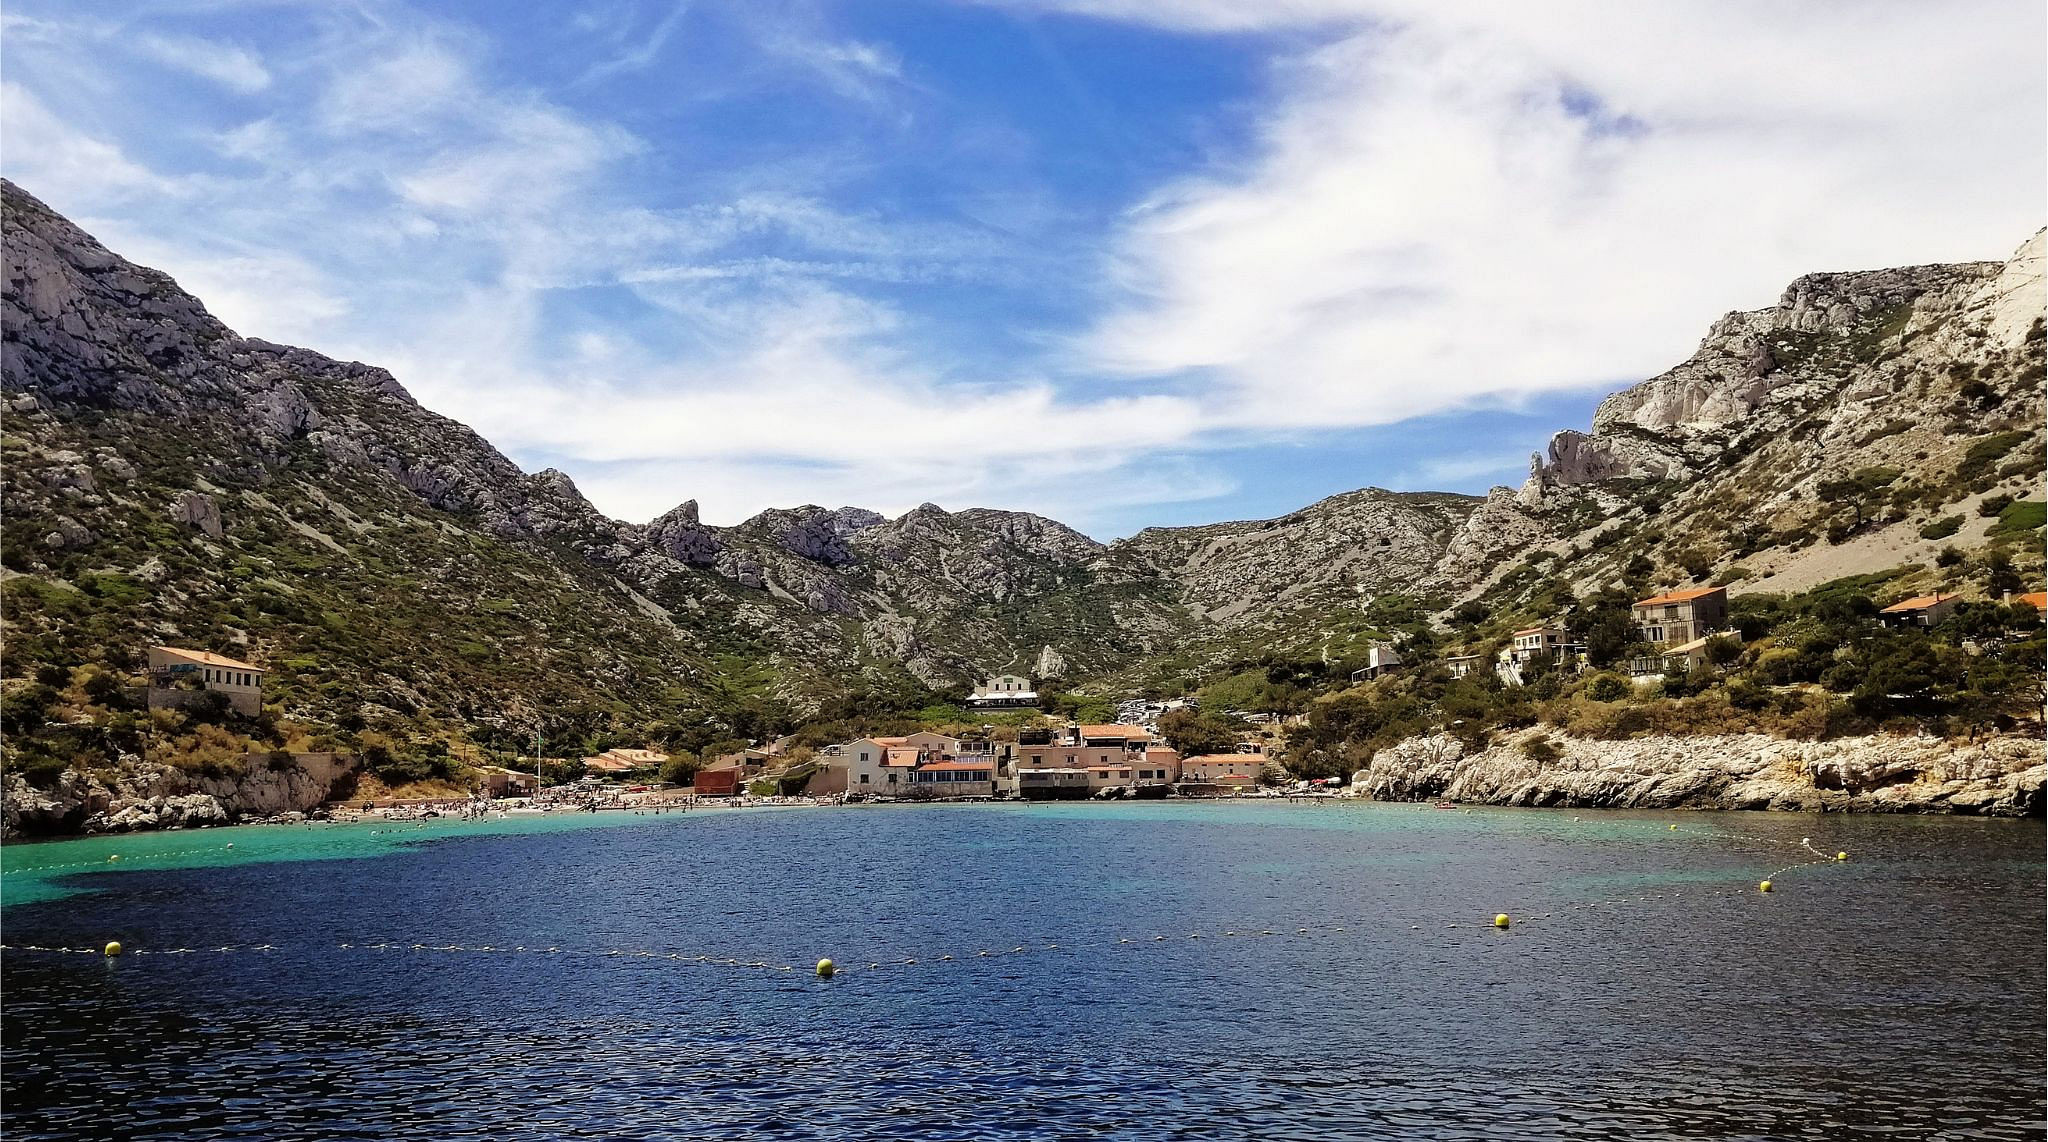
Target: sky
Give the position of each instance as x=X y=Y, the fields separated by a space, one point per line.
x=1120 y=262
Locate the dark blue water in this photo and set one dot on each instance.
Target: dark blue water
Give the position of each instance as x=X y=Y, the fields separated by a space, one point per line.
x=1164 y=987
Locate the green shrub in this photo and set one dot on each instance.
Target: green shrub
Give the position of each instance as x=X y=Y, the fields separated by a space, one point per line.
x=2021 y=516
x=1942 y=528
x=1608 y=688
x=1977 y=461
x=1992 y=505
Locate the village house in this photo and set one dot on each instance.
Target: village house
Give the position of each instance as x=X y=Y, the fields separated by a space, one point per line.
x=1919 y=611
x=932 y=745
x=177 y=678
x=1380 y=659
x=1461 y=665
x=953 y=779
x=1672 y=660
x=881 y=766
x=721 y=779
x=497 y=781
x=1121 y=776
x=1063 y=784
x=614 y=762
x=1231 y=770
x=1161 y=766
x=1680 y=616
x=1552 y=643
x=1003 y=691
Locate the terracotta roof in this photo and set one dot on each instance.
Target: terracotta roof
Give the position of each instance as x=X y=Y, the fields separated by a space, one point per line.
x=1917 y=603
x=1679 y=596
x=901 y=757
x=1695 y=644
x=1216 y=759
x=981 y=766
x=888 y=742
x=1115 y=729
x=1159 y=751
x=608 y=764
x=2035 y=599
x=208 y=658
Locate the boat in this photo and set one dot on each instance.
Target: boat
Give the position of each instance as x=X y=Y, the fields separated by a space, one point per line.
x=1446 y=805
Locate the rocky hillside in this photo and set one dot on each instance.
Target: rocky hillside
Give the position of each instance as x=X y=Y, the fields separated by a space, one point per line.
x=1856 y=425
x=167 y=480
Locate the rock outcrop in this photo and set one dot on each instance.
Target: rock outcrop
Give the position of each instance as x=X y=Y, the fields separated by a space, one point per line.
x=139 y=796
x=2002 y=777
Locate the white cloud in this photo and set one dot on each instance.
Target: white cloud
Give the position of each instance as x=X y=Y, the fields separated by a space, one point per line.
x=64 y=165
x=1449 y=202
x=1445 y=205
x=233 y=67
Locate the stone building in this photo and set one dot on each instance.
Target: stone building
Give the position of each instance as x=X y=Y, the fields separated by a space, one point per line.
x=179 y=677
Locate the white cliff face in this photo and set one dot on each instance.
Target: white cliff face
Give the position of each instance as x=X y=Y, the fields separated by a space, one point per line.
x=1881 y=773
x=141 y=796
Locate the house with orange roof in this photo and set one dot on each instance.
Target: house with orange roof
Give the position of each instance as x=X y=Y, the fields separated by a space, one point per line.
x=1919 y=611
x=179 y=677
x=1235 y=771
x=2035 y=599
x=1680 y=616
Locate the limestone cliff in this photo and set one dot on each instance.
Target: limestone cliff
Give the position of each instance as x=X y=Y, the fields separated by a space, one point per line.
x=1880 y=774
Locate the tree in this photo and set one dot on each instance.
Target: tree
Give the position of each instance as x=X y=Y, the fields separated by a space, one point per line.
x=1605 y=624
x=1999 y=577
x=681 y=768
x=1859 y=492
x=1194 y=734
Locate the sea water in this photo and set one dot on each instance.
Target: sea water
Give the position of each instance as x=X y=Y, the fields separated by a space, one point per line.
x=1153 y=970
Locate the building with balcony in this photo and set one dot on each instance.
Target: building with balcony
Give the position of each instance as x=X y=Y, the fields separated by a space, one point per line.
x=1680 y=616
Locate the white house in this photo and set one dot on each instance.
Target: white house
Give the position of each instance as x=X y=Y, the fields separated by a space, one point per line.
x=1003 y=690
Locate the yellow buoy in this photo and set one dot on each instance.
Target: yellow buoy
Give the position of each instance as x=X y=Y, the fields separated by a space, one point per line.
x=1501 y=921
x=1673 y=828
x=1841 y=856
x=1763 y=886
x=826 y=969
x=113 y=948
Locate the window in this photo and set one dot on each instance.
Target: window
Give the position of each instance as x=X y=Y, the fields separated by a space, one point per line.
x=863 y=779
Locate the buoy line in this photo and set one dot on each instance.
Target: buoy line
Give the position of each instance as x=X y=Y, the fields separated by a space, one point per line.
x=827 y=968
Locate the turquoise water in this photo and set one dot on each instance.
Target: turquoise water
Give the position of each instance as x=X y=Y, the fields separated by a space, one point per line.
x=1153 y=970
x=51 y=870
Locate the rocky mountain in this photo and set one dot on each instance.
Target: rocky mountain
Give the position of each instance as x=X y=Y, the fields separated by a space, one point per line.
x=166 y=479
x=1855 y=425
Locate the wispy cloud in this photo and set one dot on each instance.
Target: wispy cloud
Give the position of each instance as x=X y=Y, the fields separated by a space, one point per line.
x=229 y=65
x=641 y=55
x=1437 y=207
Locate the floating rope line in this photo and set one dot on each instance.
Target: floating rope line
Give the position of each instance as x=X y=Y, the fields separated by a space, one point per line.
x=1331 y=927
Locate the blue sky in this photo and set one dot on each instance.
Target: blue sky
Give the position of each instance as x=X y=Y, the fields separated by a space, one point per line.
x=1122 y=262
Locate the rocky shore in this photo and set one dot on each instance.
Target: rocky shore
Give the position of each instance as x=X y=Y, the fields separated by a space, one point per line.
x=2000 y=777
x=138 y=796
